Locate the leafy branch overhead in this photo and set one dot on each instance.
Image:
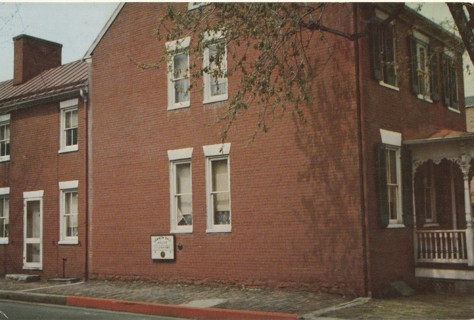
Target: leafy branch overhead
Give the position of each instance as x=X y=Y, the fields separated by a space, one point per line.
x=269 y=48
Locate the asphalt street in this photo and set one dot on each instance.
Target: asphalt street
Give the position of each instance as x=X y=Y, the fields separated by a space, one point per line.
x=10 y=310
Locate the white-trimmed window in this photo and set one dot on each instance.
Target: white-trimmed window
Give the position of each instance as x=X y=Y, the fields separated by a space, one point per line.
x=4 y=214
x=384 y=52
x=393 y=170
x=178 y=73
x=181 y=194
x=69 y=125
x=218 y=187
x=5 y=137
x=69 y=227
x=215 y=67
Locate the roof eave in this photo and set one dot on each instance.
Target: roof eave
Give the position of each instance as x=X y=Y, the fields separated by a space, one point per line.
x=438 y=140
x=104 y=30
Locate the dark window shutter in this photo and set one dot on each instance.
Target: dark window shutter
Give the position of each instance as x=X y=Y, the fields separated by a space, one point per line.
x=446 y=81
x=434 y=74
x=454 y=86
x=407 y=187
x=376 y=52
x=415 y=84
x=382 y=192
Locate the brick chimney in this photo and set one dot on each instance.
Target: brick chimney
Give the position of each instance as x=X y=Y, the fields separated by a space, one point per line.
x=32 y=56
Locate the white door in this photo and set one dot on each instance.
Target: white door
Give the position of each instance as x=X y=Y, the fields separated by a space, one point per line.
x=32 y=232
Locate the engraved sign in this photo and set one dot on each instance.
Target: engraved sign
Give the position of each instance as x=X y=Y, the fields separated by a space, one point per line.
x=162 y=247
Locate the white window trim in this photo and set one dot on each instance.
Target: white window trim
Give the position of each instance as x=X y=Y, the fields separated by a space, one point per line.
x=179 y=46
x=389 y=86
x=4 y=192
x=216 y=152
x=210 y=37
x=195 y=5
x=391 y=137
x=216 y=149
x=65 y=106
x=178 y=156
x=4 y=120
x=66 y=186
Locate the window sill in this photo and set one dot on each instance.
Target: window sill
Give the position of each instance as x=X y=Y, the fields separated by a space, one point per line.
x=184 y=231
x=5 y=159
x=430 y=224
x=454 y=110
x=28 y=267
x=424 y=98
x=226 y=229
x=177 y=107
x=71 y=149
x=3 y=240
x=389 y=86
x=215 y=99
x=395 y=226
x=68 y=242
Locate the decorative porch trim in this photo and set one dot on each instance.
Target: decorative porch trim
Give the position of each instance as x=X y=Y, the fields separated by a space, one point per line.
x=444 y=274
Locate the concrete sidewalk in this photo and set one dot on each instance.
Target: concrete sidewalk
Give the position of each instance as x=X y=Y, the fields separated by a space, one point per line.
x=231 y=302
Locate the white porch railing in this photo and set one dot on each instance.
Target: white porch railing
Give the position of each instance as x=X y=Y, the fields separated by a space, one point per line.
x=441 y=246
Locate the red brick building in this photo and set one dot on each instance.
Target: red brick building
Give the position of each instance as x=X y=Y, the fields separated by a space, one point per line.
x=370 y=190
x=302 y=205
x=43 y=163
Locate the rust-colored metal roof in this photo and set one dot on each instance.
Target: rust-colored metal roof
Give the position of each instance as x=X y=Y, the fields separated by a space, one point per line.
x=442 y=135
x=60 y=79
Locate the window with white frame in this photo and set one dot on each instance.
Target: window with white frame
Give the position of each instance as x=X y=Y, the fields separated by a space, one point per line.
x=4 y=214
x=69 y=125
x=178 y=73
x=5 y=137
x=69 y=226
x=181 y=195
x=218 y=187
x=423 y=69
x=393 y=169
x=215 y=67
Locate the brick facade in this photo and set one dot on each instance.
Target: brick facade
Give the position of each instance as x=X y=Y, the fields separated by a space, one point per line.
x=303 y=196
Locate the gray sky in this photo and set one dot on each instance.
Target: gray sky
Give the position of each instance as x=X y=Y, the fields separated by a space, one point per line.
x=76 y=25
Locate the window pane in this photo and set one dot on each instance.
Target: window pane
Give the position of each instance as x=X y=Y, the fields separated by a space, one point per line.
x=32 y=252
x=181 y=90
x=7 y=132
x=221 y=208
x=393 y=167
x=184 y=213
x=218 y=87
x=71 y=226
x=33 y=219
x=392 y=202
x=183 y=178
x=74 y=119
x=2 y=132
x=180 y=64
x=220 y=176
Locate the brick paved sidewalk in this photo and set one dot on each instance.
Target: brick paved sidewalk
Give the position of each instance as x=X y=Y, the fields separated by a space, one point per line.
x=419 y=306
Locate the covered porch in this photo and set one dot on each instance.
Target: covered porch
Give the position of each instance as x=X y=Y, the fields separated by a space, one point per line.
x=442 y=210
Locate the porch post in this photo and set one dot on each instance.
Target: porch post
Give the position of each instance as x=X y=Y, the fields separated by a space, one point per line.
x=465 y=166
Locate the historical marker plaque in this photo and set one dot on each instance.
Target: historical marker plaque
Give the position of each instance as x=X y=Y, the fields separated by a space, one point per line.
x=162 y=248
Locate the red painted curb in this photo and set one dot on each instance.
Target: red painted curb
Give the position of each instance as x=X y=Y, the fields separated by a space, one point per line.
x=171 y=310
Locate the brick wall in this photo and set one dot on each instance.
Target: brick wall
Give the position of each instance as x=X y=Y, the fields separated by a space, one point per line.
x=35 y=164
x=294 y=191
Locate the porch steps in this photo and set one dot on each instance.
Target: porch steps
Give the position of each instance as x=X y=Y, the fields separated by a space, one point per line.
x=22 y=277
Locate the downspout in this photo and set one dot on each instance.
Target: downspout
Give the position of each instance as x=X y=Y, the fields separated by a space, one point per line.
x=362 y=163
x=84 y=94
